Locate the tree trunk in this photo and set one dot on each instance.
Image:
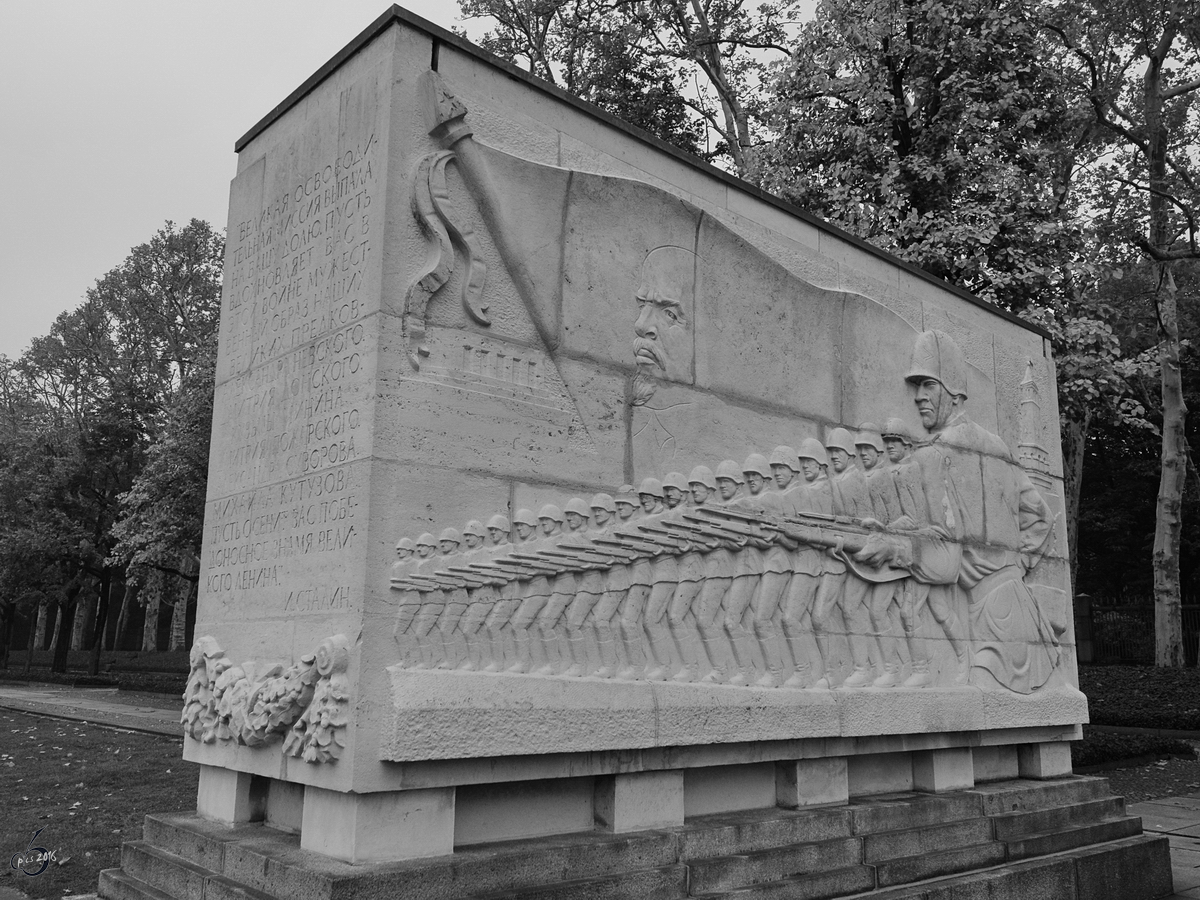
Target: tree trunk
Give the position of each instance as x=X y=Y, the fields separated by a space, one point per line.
x=150 y=627
x=33 y=636
x=39 y=639
x=127 y=604
x=8 y=611
x=1168 y=525
x=84 y=609
x=101 y=620
x=66 y=621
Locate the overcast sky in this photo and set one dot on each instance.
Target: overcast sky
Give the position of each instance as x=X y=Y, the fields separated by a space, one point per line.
x=116 y=115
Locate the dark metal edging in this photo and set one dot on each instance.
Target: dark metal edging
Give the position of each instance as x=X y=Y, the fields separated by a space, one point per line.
x=396 y=14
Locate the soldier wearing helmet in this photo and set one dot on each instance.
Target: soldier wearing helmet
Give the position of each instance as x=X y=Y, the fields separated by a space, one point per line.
x=638 y=570
x=720 y=564
x=882 y=599
x=664 y=576
x=681 y=612
x=501 y=647
x=454 y=644
x=408 y=598
x=532 y=653
x=841 y=605
x=747 y=573
x=812 y=495
x=608 y=514
x=419 y=627
x=481 y=597
x=987 y=527
x=587 y=587
x=405 y=563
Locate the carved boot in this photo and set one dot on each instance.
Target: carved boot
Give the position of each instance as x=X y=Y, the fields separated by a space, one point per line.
x=495 y=652
x=921 y=676
x=745 y=660
x=635 y=668
x=798 y=678
x=470 y=662
x=861 y=677
x=773 y=677
x=524 y=654
x=551 y=661
x=890 y=676
x=606 y=649
x=578 y=651
x=717 y=672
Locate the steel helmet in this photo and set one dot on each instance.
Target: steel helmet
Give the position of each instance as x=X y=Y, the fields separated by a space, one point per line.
x=450 y=534
x=525 y=517
x=577 y=506
x=651 y=486
x=840 y=439
x=626 y=494
x=475 y=527
x=936 y=356
x=550 y=511
x=784 y=455
x=677 y=481
x=703 y=475
x=810 y=448
x=731 y=470
x=604 y=501
x=500 y=522
x=427 y=540
x=868 y=436
x=758 y=464
x=405 y=544
x=898 y=429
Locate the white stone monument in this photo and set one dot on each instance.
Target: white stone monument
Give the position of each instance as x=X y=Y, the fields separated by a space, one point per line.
x=545 y=496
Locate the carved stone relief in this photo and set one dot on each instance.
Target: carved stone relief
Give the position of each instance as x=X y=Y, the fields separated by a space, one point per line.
x=304 y=705
x=754 y=574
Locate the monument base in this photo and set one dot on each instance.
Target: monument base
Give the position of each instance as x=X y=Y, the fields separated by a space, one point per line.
x=1056 y=839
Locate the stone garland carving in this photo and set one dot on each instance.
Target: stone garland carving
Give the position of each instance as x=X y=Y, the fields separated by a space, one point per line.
x=305 y=704
x=747 y=576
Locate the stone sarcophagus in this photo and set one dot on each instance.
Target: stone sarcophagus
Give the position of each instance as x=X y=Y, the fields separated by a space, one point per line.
x=560 y=482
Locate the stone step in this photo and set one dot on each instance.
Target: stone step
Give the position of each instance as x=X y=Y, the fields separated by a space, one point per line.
x=899 y=812
x=116 y=885
x=1129 y=869
x=821 y=886
x=726 y=834
x=929 y=839
x=1025 y=795
x=730 y=872
x=1072 y=836
x=665 y=883
x=164 y=871
x=203 y=841
x=942 y=862
x=1012 y=825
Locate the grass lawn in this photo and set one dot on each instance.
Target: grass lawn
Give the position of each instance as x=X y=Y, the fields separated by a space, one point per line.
x=88 y=788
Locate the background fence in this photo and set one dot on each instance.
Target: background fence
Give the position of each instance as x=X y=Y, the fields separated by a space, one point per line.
x=1125 y=634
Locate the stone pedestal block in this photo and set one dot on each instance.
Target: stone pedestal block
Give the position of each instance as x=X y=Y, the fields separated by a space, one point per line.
x=938 y=771
x=640 y=801
x=1048 y=760
x=378 y=827
x=811 y=782
x=229 y=796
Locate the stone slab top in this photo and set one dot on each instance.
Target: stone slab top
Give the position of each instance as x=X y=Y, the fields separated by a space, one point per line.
x=397 y=14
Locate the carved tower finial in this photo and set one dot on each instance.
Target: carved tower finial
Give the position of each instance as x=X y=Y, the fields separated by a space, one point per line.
x=1031 y=452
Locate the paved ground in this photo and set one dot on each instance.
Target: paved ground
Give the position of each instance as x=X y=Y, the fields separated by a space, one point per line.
x=152 y=713
x=1176 y=817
